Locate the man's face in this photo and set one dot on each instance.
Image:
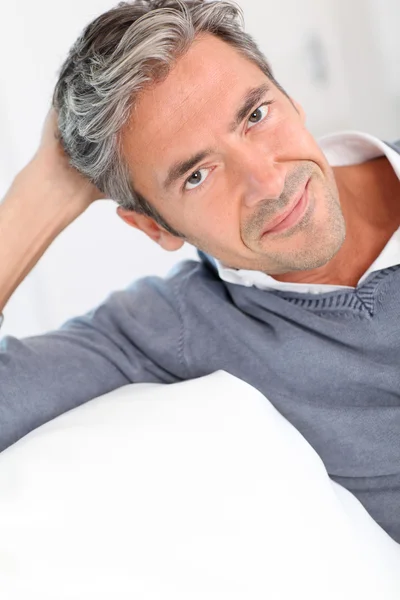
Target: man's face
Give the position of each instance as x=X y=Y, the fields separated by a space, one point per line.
x=254 y=171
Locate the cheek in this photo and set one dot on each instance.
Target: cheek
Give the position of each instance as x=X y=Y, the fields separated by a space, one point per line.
x=214 y=224
x=291 y=137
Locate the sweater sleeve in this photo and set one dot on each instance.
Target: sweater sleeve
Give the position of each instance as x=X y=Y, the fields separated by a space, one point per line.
x=135 y=336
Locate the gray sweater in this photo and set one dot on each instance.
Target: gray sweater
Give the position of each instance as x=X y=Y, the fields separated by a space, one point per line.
x=329 y=363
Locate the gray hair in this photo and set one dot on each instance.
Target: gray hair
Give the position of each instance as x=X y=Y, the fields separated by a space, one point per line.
x=115 y=57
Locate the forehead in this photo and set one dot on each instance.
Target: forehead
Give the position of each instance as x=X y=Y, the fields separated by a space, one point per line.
x=188 y=110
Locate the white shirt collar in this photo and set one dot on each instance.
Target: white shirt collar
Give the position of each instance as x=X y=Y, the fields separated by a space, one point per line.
x=341 y=149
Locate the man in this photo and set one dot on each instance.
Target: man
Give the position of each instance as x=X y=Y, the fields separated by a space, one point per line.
x=297 y=290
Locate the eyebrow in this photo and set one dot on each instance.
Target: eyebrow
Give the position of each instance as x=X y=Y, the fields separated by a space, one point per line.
x=180 y=168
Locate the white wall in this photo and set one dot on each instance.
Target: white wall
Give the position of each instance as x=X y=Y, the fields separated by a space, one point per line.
x=365 y=54
x=385 y=15
x=338 y=58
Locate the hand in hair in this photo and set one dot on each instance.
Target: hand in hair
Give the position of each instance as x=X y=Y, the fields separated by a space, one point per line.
x=44 y=198
x=53 y=165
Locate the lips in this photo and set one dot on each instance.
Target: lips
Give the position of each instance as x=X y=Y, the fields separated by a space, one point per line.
x=285 y=214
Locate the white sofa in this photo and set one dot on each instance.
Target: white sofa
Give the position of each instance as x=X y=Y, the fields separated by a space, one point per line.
x=197 y=490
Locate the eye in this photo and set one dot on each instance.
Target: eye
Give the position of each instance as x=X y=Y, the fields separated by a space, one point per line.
x=260 y=113
x=195 y=179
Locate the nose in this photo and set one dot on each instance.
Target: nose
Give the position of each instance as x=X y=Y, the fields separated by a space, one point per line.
x=258 y=176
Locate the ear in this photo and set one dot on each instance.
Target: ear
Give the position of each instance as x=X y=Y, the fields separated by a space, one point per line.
x=299 y=109
x=152 y=229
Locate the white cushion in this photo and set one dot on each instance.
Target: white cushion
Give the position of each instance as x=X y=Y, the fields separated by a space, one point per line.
x=197 y=490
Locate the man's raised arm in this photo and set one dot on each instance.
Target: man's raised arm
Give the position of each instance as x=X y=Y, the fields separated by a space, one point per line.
x=44 y=198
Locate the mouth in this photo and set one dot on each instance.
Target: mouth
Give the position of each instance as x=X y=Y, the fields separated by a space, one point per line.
x=292 y=215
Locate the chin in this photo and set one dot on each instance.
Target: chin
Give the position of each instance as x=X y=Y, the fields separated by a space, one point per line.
x=326 y=251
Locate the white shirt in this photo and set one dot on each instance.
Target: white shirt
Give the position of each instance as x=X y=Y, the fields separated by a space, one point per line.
x=341 y=149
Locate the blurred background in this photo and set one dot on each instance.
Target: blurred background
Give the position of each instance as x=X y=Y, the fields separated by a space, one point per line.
x=339 y=58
